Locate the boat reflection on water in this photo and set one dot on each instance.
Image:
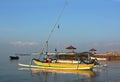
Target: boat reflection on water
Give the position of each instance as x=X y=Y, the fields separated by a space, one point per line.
x=36 y=71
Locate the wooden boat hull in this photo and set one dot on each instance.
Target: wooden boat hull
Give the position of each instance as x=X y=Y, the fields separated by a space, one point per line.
x=63 y=65
x=35 y=69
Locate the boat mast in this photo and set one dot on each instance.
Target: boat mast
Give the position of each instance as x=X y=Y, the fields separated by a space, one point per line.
x=56 y=23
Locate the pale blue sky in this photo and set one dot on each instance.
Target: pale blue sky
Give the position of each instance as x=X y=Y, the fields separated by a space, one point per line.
x=25 y=25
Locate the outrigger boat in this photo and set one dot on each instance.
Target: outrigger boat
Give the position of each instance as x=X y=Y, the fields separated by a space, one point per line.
x=46 y=63
x=67 y=66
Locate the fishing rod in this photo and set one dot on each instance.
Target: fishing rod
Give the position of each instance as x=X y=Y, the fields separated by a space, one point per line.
x=54 y=26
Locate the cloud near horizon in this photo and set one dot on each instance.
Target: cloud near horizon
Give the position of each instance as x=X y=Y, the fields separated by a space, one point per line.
x=99 y=46
x=22 y=43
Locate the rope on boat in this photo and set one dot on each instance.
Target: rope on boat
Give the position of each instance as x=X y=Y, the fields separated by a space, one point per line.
x=56 y=23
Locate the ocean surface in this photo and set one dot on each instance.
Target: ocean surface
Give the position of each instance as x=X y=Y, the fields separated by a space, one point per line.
x=11 y=72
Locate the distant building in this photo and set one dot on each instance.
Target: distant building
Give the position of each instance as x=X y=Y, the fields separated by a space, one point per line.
x=71 y=49
x=92 y=50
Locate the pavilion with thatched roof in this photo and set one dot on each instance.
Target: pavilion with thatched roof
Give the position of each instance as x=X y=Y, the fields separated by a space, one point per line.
x=92 y=50
x=71 y=48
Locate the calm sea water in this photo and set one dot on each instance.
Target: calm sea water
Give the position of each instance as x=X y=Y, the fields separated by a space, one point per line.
x=11 y=72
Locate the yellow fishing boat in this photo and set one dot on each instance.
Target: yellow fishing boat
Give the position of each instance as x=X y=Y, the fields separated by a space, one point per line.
x=45 y=62
x=67 y=66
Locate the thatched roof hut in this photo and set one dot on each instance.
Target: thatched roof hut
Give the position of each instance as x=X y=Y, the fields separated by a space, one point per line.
x=71 y=48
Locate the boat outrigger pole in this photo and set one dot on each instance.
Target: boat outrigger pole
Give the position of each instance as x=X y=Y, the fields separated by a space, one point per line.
x=54 y=26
